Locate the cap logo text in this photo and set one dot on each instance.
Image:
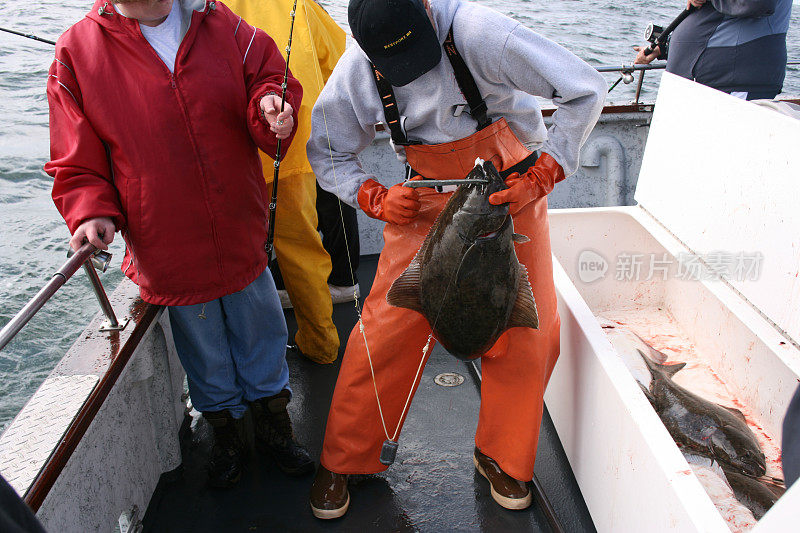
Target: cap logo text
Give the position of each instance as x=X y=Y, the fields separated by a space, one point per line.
x=397 y=41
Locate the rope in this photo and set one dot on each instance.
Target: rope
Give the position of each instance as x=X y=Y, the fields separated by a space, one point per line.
x=361 y=326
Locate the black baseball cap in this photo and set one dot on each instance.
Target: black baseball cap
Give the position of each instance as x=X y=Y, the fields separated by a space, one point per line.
x=397 y=36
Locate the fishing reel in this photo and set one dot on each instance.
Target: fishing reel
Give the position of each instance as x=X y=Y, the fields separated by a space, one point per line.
x=652 y=33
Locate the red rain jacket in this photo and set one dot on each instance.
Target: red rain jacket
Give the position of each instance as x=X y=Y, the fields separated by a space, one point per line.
x=172 y=159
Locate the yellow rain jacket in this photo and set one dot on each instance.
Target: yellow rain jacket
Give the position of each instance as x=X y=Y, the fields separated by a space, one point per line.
x=317 y=44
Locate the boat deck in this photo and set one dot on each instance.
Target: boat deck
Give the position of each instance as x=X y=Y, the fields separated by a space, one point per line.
x=432 y=486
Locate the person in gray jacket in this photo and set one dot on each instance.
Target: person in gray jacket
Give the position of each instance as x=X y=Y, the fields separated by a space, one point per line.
x=735 y=46
x=452 y=81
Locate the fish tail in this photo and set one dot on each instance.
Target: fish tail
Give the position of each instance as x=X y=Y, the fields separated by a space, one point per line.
x=669 y=370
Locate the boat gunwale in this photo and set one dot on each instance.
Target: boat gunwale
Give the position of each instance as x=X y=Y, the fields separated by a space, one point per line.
x=118 y=347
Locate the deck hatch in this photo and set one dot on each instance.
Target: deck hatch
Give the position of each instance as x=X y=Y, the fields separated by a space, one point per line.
x=449 y=379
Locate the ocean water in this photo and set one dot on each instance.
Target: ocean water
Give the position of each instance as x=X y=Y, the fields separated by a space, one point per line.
x=33 y=237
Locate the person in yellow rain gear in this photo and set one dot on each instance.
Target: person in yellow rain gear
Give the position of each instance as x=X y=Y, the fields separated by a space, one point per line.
x=317 y=44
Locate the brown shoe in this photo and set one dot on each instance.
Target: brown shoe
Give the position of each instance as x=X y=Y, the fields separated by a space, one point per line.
x=329 y=495
x=507 y=491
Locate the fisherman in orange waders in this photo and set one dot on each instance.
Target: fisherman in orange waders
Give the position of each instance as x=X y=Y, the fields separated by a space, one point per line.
x=442 y=114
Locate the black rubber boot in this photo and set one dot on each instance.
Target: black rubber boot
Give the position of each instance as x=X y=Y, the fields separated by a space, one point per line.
x=274 y=437
x=227 y=455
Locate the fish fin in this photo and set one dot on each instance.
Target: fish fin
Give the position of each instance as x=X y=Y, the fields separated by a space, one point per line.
x=405 y=291
x=519 y=238
x=402 y=291
x=524 y=313
x=735 y=412
x=657 y=355
x=776 y=486
x=669 y=370
x=647 y=394
x=422 y=249
x=651 y=365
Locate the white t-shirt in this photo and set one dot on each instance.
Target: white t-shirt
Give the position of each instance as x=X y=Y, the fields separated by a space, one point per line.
x=166 y=37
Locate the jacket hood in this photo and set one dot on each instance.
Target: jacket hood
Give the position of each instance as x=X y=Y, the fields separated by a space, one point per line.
x=105 y=13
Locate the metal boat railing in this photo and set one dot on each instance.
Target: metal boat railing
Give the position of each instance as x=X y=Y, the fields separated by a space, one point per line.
x=120 y=349
x=91 y=259
x=626 y=75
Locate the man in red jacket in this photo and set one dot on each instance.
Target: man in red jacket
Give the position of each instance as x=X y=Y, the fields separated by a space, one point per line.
x=157 y=108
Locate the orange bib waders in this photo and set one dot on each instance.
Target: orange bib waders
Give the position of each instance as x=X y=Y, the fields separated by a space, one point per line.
x=515 y=371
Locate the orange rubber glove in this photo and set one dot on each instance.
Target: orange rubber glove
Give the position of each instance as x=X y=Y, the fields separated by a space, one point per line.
x=535 y=183
x=397 y=204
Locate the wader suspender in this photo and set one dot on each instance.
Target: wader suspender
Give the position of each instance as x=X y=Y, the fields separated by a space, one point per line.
x=465 y=82
x=390 y=112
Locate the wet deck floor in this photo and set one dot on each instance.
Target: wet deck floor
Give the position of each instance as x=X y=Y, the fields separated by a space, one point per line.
x=432 y=486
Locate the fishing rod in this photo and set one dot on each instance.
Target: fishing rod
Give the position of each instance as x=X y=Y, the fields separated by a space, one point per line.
x=28 y=35
x=657 y=37
x=627 y=72
x=651 y=66
x=273 y=202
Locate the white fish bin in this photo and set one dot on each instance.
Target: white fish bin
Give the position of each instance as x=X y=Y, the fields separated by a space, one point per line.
x=704 y=269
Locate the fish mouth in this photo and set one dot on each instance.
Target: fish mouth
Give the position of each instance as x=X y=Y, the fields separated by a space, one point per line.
x=495 y=232
x=749 y=465
x=753 y=467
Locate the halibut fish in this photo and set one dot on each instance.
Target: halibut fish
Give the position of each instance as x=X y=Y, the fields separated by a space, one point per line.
x=754 y=494
x=701 y=426
x=697 y=425
x=466 y=279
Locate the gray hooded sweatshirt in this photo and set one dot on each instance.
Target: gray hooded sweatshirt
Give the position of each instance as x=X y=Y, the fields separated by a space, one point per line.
x=511 y=65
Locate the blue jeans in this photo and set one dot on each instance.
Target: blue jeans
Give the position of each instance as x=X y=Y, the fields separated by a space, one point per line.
x=233 y=349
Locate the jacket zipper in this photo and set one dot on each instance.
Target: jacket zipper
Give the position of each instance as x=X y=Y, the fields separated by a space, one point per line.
x=206 y=185
x=185 y=112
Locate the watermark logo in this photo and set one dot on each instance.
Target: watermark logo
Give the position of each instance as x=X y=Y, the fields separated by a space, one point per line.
x=591 y=266
x=632 y=266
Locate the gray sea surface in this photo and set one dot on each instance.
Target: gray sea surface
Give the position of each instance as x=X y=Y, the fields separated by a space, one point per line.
x=33 y=237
